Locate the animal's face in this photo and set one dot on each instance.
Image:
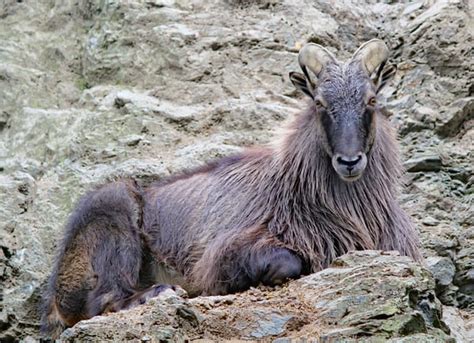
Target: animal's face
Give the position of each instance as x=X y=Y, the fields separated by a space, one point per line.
x=345 y=98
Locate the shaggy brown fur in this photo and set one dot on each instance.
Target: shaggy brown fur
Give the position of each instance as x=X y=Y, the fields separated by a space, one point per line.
x=99 y=259
x=261 y=216
x=290 y=198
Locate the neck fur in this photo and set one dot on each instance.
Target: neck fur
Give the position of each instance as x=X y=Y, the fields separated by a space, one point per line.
x=308 y=187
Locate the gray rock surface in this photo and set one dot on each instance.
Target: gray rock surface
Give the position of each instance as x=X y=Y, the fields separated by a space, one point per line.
x=365 y=296
x=95 y=90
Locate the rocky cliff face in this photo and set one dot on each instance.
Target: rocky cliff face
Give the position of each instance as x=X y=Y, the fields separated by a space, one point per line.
x=94 y=90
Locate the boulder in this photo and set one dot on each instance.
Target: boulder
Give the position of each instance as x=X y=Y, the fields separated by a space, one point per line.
x=364 y=296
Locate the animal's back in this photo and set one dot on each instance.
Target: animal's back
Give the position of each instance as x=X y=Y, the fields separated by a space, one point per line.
x=182 y=216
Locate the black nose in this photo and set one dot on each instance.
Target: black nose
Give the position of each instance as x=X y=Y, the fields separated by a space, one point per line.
x=349 y=161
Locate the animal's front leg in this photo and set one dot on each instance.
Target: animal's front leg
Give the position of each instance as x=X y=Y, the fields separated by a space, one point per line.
x=274 y=265
x=244 y=259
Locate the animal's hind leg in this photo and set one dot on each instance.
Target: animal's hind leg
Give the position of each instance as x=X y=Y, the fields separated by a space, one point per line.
x=244 y=259
x=100 y=257
x=138 y=298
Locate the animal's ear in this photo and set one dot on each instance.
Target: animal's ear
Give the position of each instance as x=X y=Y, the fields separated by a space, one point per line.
x=300 y=82
x=385 y=73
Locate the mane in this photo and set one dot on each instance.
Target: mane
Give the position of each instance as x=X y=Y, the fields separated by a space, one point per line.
x=318 y=214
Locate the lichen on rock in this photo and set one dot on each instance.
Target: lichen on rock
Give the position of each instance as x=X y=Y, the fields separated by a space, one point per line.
x=365 y=295
x=92 y=90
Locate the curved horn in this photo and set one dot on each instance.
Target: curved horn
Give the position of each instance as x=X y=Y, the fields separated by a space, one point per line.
x=371 y=54
x=315 y=57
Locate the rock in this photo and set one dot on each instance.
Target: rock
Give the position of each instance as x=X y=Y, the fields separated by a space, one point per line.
x=460 y=112
x=464 y=277
x=143 y=89
x=430 y=221
x=442 y=268
x=459 y=323
x=423 y=163
x=4 y=116
x=136 y=102
x=442 y=241
x=365 y=295
x=131 y=140
x=449 y=295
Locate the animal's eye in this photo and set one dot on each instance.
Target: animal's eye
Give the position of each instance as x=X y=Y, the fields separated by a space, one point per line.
x=318 y=103
x=372 y=101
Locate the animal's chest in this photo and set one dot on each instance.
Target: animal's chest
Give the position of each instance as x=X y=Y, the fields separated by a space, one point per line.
x=320 y=234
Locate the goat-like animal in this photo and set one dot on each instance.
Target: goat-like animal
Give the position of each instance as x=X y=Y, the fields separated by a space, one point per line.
x=328 y=186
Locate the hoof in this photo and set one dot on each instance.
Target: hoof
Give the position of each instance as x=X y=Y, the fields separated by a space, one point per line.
x=141 y=297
